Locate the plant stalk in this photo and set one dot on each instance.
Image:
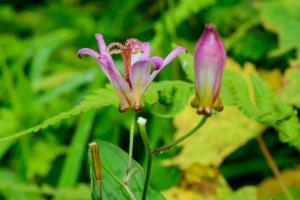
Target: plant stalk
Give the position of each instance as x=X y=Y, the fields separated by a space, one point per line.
x=174 y=143
x=131 y=141
x=142 y=127
x=273 y=167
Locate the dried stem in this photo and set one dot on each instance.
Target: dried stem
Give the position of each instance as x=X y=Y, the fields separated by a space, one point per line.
x=273 y=167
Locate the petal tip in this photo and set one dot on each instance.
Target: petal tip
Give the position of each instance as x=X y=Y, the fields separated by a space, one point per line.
x=98 y=35
x=79 y=54
x=210 y=27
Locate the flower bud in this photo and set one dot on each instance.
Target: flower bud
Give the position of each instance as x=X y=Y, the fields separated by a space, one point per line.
x=209 y=60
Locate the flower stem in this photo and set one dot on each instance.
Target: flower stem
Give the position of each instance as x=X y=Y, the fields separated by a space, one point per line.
x=131 y=140
x=273 y=167
x=142 y=128
x=172 y=144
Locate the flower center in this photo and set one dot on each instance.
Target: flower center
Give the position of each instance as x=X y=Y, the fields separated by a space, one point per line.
x=132 y=46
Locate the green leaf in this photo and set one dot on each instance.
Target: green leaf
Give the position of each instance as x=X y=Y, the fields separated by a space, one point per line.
x=167 y=98
x=282 y=17
x=113 y=163
x=73 y=162
x=8 y=123
x=45 y=46
x=244 y=193
x=176 y=15
x=8 y=181
x=12 y=188
x=43 y=154
x=187 y=64
x=100 y=98
x=235 y=92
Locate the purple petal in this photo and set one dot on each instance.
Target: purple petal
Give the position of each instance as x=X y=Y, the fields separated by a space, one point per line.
x=115 y=78
x=173 y=55
x=157 y=62
x=101 y=43
x=140 y=73
x=139 y=78
x=146 y=50
x=160 y=64
x=145 y=54
x=87 y=51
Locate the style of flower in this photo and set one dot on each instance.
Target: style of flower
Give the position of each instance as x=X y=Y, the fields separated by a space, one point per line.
x=209 y=60
x=137 y=68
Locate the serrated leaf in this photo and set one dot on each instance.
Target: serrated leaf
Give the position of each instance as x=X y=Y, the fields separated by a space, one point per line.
x=113 y=164
x=167 y=98
x=100 y=98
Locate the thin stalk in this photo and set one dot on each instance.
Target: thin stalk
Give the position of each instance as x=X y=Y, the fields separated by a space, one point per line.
x=142 y=127
x=172 y=144
x=131 y=140
x=273 y=167
x=130 y=194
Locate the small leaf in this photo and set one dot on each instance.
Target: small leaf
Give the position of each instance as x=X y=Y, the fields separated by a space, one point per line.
x=168 y=97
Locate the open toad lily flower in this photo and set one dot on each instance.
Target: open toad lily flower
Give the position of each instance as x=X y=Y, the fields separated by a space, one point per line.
x=137 y=68
x=209 y=60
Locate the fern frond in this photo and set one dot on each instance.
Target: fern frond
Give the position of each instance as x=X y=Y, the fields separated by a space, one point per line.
x=100 y=98
x=237 y=92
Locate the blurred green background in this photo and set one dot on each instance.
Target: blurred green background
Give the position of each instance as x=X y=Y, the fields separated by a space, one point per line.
x=41 y=76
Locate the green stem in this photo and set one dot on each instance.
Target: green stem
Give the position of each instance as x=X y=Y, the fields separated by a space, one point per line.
x=273 y=166
x=142 y=127
x=131 y=140
x=172 y=144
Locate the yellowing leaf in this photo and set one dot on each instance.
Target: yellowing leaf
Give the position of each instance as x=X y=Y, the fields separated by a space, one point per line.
x=245 y=193
x=222 y=134
x=273 y=77
x=291 y=85
x=270 y=187
x=199 y=182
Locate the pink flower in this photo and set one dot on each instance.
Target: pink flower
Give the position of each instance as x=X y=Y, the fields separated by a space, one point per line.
x=137 y=68
x=209 y=60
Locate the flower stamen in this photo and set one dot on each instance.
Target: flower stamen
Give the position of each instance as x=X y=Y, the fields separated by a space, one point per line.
x=132 y=46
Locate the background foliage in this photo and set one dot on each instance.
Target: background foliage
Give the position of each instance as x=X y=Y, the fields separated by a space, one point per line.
x=46 y=89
